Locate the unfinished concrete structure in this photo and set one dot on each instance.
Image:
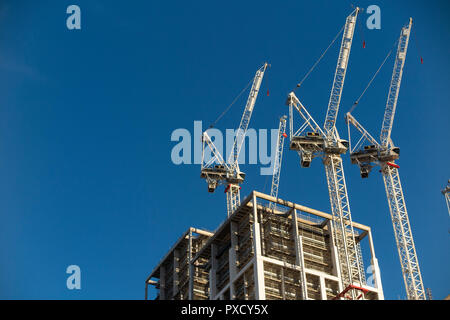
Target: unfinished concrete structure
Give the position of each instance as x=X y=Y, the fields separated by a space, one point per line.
x=179 y=278
x=287 y=252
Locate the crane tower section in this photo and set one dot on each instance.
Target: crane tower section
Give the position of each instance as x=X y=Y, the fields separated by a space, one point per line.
x=310 y=141
x=368 y=153
x=278 y=160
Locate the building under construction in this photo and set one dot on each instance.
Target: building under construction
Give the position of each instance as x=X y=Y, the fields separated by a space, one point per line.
x=267 y=249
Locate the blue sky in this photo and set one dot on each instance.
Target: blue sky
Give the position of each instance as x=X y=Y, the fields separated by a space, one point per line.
x=86 y=118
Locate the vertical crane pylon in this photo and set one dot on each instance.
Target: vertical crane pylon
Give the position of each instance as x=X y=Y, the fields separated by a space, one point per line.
x=216 y=170
x=278 y=160
x=311 y=141
x=384 y=154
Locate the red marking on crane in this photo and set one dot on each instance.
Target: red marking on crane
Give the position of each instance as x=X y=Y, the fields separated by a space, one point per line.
x=228 y=188
x=284 y=134
x=421 y=60
x=393 y=165
x=351 y=286
x=364 y=44
x=267 y=92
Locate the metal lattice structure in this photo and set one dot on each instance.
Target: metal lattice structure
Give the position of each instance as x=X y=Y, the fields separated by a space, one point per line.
x=339 y=75
x=278 y=160
x=311 y=141
x=214 y=169
x=394 y=88
x=403 y=234
x=344 y=233
x=368 y=152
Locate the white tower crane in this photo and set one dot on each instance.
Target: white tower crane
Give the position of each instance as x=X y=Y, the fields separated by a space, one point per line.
x=384 y=154
x=311 y=141
x=277 y=161
x=215 y=170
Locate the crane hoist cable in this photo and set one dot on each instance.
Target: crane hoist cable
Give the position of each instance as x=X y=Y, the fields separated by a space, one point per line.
x=320 y=58
x=231 y=104
x=373 y=78
x=361 y=28
x=414 y=39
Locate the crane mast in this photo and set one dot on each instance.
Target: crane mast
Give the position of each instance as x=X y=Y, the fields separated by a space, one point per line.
x=215 y=170
x=277 y=160
x=384 y=154
x=403 y=234
x=311 y=141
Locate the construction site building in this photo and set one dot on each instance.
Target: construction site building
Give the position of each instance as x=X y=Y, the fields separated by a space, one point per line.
x=263 y=251
x=177 y=277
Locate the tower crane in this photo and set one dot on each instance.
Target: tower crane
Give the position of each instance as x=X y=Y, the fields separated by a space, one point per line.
x=368 y=152
x=216 y=170
x=310 y=141
x=278 y=158
x=446 y=193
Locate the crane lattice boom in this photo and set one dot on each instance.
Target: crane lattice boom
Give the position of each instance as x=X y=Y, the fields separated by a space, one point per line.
x=215 y=170
x=311 y=141
x=339 y=75
x=246 y=116
x=394 y=88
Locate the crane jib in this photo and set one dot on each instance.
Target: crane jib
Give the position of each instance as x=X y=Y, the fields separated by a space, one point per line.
x=394 y=88
x=245 y=120
x=339 y=76
x=215 y=170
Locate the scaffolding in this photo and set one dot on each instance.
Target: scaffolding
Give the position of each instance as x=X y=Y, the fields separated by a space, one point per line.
x=261 y=253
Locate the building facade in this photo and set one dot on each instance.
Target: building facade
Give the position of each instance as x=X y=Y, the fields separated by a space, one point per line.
x=285 y=253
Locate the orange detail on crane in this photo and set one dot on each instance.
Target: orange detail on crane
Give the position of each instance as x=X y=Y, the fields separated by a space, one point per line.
x=364 y=44
x=350 y=287
x=284 y=134
x=393 y=165
x=228 y=188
